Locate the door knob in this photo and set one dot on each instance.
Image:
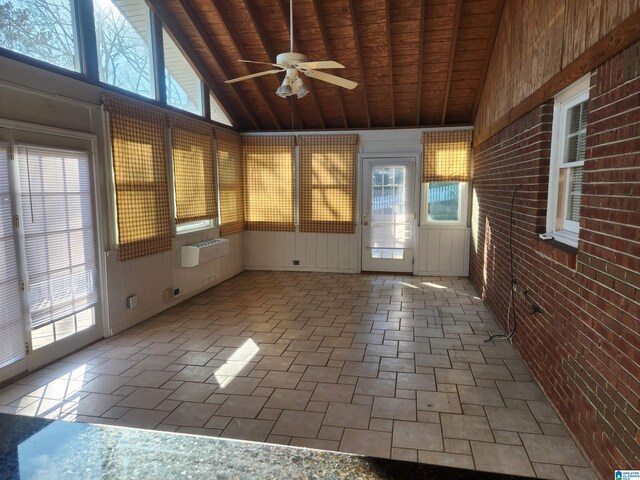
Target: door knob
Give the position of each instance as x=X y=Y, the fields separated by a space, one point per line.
x=366 y=223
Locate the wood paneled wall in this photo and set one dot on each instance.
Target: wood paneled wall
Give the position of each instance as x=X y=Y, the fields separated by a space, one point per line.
x=539 y=39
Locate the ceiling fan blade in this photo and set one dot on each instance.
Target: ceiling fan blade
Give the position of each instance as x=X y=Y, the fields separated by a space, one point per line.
x=259 y=63
x=320 y=64
x=326 y=77
x=253 y=75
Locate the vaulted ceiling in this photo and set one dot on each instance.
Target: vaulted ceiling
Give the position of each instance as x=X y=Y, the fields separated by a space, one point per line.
x=417 y=62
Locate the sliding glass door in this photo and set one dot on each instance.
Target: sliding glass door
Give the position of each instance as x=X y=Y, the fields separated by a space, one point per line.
x=49 y=273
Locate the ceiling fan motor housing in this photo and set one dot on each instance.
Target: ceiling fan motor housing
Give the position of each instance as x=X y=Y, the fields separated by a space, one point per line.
x=290 y=58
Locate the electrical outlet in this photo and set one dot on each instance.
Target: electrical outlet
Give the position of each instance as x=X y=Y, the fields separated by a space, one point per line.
x=296 y=262
x=176 y=292
x=167 y=294
x=132 y=301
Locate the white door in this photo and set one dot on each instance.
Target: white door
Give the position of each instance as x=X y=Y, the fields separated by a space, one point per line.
x=52 y=218
x=388 y=214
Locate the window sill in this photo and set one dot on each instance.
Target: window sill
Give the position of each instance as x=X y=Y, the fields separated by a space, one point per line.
x=557 y=251
x=188 y=230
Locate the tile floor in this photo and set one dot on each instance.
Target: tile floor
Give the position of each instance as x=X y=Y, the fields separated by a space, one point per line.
x=388 y=366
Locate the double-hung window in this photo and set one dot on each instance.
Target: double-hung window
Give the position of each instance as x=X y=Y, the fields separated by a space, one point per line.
x=568 y=149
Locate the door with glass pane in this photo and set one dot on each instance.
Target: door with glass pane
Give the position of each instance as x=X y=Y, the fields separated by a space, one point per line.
x=388 y=215
x=12 y=326
x=54 y=250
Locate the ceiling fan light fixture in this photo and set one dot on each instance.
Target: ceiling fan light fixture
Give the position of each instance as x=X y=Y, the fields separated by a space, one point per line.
x=285 y=89
x=302 y=88
x=294 y=63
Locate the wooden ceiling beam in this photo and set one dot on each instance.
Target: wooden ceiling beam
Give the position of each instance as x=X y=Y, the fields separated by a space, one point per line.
x=420 y=62
x=195 y=21
x=452 y=54
x=193 y=58
x=356 y=39
x=325 y=42
x=485 y=66
x=390 y=56
x=266 y=44
x=284 y=9
x=226 y=23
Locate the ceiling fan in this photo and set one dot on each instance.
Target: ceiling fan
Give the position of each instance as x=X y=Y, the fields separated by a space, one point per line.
x=293 y=63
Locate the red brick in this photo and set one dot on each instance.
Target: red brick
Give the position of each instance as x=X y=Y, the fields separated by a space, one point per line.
x=585 y=349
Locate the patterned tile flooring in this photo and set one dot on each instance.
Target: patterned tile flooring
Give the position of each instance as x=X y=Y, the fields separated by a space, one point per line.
x=383 y=365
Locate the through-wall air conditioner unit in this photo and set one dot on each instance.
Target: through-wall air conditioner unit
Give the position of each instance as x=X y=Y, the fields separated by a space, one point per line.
x=203 y=252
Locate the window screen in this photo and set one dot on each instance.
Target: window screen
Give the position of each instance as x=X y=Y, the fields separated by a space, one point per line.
x=142 y=197
x=230 y=182
x=328 y=183
x=268 y=176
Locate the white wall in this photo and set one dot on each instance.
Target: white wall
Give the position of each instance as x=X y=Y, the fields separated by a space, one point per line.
x=441 y=250
x=149 y=277
x=32 y=95
x=318 y=252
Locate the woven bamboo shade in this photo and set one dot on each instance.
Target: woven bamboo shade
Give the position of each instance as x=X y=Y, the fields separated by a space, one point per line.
x=446 y=156
x=328 y=183
x=229 y=150
x=193 y=169
x=142 y=195
x=268 y=174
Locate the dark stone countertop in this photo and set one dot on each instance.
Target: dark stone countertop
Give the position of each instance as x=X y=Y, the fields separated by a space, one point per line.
x=36 y=448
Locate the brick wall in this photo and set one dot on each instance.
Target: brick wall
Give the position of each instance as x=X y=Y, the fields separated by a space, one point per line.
x=584 y=348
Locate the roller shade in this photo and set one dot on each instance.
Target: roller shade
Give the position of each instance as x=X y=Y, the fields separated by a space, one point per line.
x=446 y=156
x=142 y=197
x=229 y=150
x=268 y=177
x=328 y=183
x=193 y=169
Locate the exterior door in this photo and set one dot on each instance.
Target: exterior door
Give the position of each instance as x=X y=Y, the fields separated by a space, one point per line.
x=49 y=274
x=388 y=214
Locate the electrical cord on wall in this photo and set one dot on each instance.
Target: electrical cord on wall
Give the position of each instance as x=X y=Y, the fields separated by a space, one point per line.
x=511 y=311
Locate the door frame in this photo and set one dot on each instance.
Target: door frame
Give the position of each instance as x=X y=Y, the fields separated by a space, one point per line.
x=381 y=157
x=65 y=346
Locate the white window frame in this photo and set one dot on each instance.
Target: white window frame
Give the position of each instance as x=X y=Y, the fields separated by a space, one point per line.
x=195 y=226
x=463 y=195
x=562 y=229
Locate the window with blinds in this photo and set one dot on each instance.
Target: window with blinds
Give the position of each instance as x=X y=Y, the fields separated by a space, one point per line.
x=568 y=154
x=193 y=170
x=12 y=339
x=268 y=178
x=328 y=183
x=574 y=159
x=59 y=240
x=229 y=151
x=140 y=173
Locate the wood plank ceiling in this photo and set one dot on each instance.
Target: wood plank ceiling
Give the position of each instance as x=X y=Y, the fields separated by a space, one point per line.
x=417 y=62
